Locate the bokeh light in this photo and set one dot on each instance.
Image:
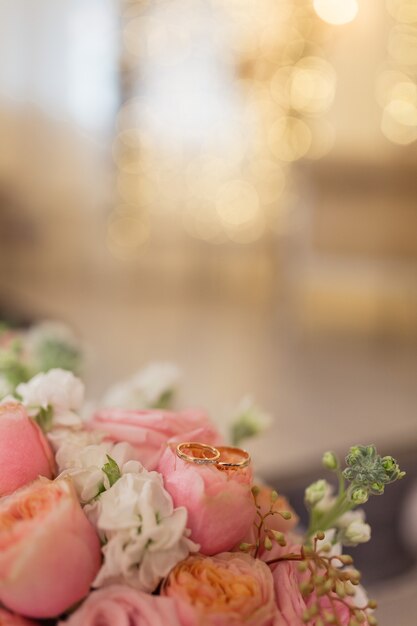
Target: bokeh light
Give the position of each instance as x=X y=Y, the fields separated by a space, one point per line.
x=336 y=11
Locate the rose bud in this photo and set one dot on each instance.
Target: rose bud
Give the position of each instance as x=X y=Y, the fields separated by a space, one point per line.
x=149 y=431
x=11 y=619
x=24 y=452
x=228 y=589
x=49 y=551
x=220 y=505
x=118 y=605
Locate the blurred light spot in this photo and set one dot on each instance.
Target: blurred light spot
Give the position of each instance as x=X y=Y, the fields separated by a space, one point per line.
x=269 y=178
x=399 y=122
x=402 y=45
x=386 y=84
x=289 y=138
x=237 y=203
x=336 y=11
x=403 y=10
x=312 y=85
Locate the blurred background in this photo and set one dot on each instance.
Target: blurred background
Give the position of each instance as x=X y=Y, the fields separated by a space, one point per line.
x=230 y=185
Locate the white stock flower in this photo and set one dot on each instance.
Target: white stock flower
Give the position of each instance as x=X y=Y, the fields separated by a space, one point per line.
x=84 y=464
x=353 y=529
x=319 y=495
x=249 y=420
x=145 y=389
x=145 y=536
x=57 y=389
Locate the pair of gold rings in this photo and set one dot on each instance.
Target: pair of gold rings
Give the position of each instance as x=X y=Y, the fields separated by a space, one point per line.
x=222 y=457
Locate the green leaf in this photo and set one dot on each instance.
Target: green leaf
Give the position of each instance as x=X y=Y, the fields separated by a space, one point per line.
x=112 y=470
x=45 y=418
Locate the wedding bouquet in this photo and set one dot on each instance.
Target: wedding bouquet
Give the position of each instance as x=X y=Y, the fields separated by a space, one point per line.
x=146 y=517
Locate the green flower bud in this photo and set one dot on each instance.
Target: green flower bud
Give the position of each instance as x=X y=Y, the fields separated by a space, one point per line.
x=330 y=461
x=316 y=492
x=377 y=488
x=359 y=495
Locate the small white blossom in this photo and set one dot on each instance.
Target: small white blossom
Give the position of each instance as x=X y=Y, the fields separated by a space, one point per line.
x=318 y=492
x=145 y=536
x=85 y=465
x=58 y=390
x=249 y=420
x=146 y=389
x=353 y=529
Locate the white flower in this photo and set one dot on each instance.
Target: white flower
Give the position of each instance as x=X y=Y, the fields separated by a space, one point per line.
x=145 y=536
x=319 y=492
x=69 y=443
x=249 y=420
x=353 y=529
x=57 y=389
x=146 y=389
x=86 y=464
x=50 y=330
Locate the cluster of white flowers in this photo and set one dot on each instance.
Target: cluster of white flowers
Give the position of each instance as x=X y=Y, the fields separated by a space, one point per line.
x=58 y=391
x=350 y=528
x=150 y=387
x=144 y=535
x=90 y=466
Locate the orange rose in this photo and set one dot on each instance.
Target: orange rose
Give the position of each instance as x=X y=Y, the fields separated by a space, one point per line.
x=228 y=589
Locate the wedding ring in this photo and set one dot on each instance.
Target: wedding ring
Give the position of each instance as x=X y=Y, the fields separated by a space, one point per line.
x=236 y=458
x=199 y=453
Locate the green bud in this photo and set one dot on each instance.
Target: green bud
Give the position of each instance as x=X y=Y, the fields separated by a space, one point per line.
x=285 y=515
x=359 y=495
x=255 y=491
x=245 y=547
x=268 y=543
x=330 y=461
x=274 y=496
x=377 y=488
x=279 y=537
x=316 y=492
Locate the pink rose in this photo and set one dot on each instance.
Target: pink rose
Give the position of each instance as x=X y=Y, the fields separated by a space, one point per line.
x=228 y=589
x=49 y=552
x=220 y=505
x=10 y=619
x=123 y=606
x=149 y=431
x=24 y=452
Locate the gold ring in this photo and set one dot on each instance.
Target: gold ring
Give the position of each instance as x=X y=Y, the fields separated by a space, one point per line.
x=199 y=453
x=229 y=451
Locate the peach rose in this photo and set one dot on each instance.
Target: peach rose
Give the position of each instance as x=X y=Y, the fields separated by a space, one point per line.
x=149 y=431
x=24 y=452
x=49 y=552
x=122 y=606
x=228 y=589
x=220 y=505
x=10 y=619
